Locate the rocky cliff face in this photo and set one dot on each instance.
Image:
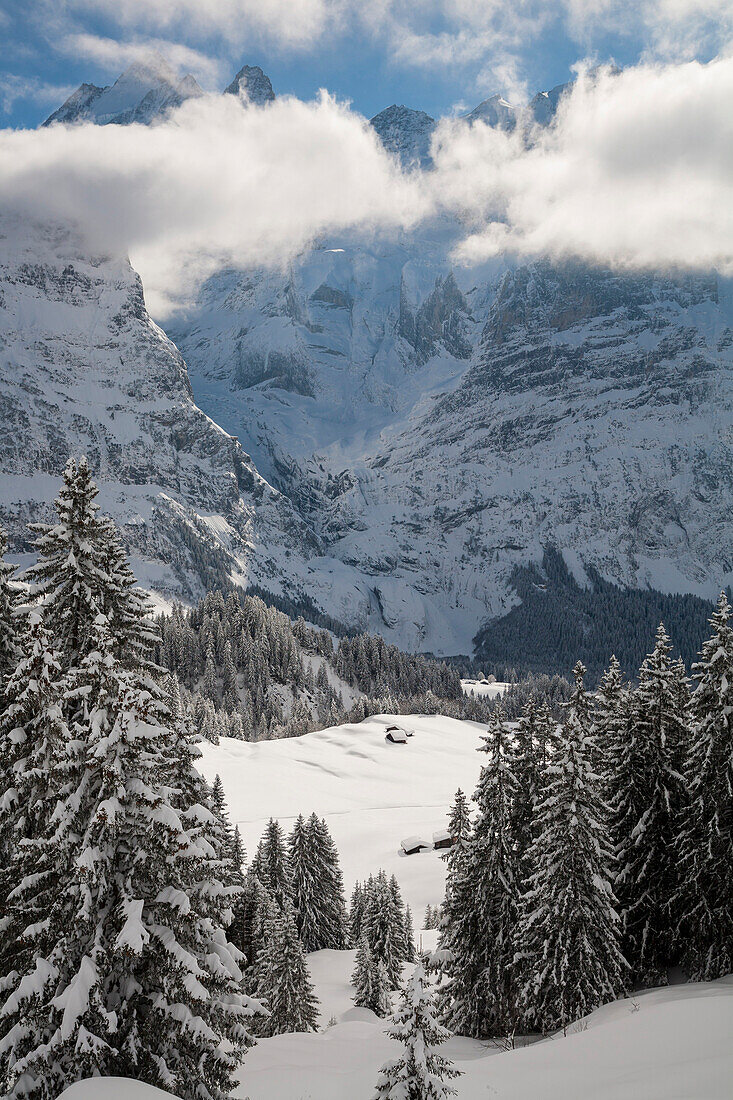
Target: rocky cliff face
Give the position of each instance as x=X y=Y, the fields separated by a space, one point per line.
x=84 y=370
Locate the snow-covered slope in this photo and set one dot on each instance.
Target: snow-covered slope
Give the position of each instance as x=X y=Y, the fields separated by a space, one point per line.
x=665 y=1043
x=145 y=91
x=438 y=427
x=373 y=794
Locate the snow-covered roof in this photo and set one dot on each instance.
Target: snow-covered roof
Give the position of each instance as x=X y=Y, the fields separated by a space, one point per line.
x=394 y=733
x=412 y=842
x=441 y=834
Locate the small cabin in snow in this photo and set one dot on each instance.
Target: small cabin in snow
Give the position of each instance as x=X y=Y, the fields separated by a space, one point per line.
x=396 y=735
x=413 y=844
x=443 y=839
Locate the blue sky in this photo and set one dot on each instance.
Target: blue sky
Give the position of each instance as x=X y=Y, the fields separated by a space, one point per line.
x=437 y=54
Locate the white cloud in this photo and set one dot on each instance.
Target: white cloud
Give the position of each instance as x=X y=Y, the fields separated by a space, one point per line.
x=217 y=183
x=117 y=54
x=292 y=23
x=637 y=172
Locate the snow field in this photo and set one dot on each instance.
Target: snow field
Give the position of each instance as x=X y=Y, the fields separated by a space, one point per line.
x=666 y=1044
x=372 y=794
x=481 y=687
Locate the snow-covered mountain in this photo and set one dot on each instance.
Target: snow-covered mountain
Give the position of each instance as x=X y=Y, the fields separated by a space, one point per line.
x=406 y=133
x=253 y=84
x=145 y=91
x=426 y=429
x=84 y=370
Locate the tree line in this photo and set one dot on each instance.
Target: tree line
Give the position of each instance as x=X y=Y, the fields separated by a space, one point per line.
x=601 y=851
x=247 y=671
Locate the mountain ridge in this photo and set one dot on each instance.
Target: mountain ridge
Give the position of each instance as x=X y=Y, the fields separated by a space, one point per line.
x=427 y=429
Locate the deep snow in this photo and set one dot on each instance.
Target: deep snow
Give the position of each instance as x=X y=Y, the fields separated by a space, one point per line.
x=666 y=1044
x=373 y=794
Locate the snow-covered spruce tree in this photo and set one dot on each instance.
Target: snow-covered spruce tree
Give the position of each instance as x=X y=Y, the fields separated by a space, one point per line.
x=528 y=773
x=383 y=925
x=362 y=974
x=459 y=828
x=568 y=933
x=703 y=902
x=611 y=722
x=9 y=630
x=33 y=735
x=271 y=863
x=317 y=886
x=644 y=812
x=398 y=911
x=410 y=956
x=239 y=854
x=232 y=847
x=131 y=973
x=476 y=946
x=356 y=913
x=251 y=911
x=370 y=980
x=330 y=884
x=70 y=578
x=126 y=607
x=420 y=1072
x=284 y=985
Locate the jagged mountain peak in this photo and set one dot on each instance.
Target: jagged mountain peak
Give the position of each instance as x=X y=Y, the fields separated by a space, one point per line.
x=147 y=89
x=405 y=132
x=496 y=111
x=252 y=83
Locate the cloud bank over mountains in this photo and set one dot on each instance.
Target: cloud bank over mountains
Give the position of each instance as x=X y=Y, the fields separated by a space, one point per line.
x=635 y=172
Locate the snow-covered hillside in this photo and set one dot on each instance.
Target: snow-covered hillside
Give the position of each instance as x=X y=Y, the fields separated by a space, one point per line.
x=373 y=794
x=664 y=1043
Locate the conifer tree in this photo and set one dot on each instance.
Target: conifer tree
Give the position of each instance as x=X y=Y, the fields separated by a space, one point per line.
x=70 y=577
x=383 y=924
x=271 y=863
x=398 y=915
x=420 y=1072
x=611 y=720
x=284 y=984
x=239 y=855
x=527 y=771
x=130 y=972
x=703 y=901
x=459 y=828
x=9 y=639
x=317 y=886
x=356 y=913
x=568 y=935
x=370 y=980
x=33 y=734
x=409 y=936
x=476 y=947
x=329 y=885
x=247 y=930
x=644 y=815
